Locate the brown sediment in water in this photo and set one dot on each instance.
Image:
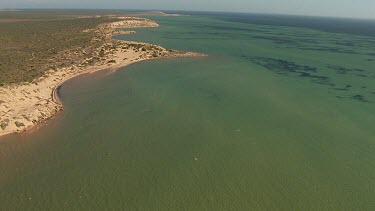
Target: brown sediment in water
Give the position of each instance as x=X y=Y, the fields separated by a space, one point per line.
x=24 y=106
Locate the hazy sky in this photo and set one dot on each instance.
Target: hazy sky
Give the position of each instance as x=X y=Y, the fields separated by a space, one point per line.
x=339 y=8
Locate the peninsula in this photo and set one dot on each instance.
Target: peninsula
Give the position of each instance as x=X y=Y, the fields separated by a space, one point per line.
x=24 y=105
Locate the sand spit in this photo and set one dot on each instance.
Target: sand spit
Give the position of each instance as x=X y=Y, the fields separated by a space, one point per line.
x=169 y=14
x=23 y=106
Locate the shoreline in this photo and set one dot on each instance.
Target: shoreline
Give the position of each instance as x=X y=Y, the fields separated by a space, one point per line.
x=29 y=104
x=55 y=94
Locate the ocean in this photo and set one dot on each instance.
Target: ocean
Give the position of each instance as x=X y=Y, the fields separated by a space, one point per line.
x=279 y=116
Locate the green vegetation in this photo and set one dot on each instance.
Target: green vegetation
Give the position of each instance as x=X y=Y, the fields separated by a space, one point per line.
x=29 y=48
x=34 y=41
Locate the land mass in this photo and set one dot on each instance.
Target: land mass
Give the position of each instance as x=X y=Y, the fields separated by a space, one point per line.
x=24 y=105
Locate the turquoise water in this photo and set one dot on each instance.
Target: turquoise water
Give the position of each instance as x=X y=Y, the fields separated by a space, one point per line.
x=276 y=118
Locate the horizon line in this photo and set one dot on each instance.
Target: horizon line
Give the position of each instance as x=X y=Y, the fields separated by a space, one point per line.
x=181 y=10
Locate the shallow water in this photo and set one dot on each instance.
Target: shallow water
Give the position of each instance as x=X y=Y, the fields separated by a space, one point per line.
x=275 y=118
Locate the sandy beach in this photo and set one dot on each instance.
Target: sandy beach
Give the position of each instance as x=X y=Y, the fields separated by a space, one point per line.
x=25 y=105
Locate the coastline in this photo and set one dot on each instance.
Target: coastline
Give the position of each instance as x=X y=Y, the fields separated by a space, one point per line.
x=27 y=105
